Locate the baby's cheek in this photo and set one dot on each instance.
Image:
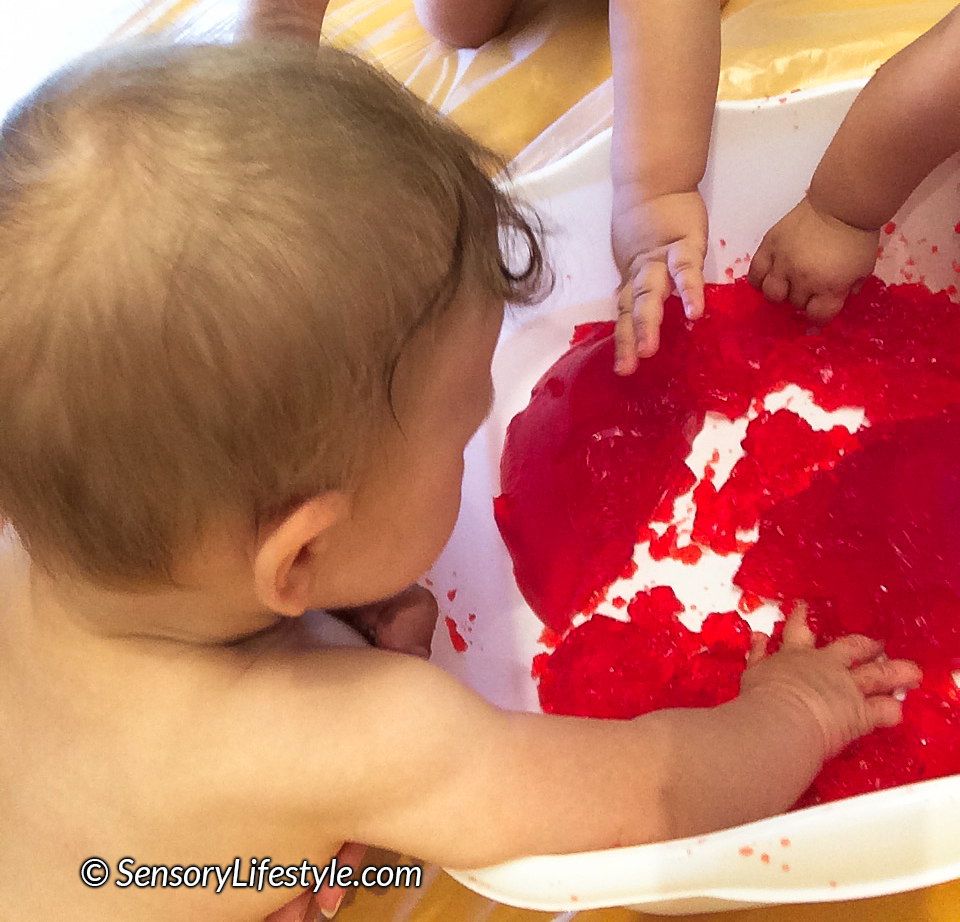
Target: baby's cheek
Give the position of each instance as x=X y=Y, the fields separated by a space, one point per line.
x=448 y=499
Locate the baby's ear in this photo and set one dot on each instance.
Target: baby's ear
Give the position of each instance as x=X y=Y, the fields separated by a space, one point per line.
x=288 y=563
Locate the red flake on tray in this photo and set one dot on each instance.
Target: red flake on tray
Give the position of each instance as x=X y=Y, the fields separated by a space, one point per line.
x=456 y=638
x=666 y=545
x=749 y=601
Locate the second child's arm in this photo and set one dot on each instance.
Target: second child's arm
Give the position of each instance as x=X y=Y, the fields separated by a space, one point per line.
x=904 y=123
x=296 y=19
x=666 y=62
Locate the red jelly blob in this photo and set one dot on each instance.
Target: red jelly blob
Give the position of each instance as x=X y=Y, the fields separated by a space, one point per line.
x=586 y=464
x=595 y=456
x=456 y=638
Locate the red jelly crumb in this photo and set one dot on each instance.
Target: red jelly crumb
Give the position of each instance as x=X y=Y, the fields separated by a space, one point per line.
x=459 y=644
x=749 y=601
x=549 y=638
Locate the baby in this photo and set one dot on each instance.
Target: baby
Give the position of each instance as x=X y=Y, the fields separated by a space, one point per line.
x=905 y=122
x=249 y=298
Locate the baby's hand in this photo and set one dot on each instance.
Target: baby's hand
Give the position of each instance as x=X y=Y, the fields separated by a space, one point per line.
x=847 y=687
x=813 y=259
x=657 y=243
x=403 y=623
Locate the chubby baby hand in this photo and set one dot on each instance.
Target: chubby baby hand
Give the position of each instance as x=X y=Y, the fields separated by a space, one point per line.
x=813 y=260
x=403 y=623
x=658 y=243
x=847 y=687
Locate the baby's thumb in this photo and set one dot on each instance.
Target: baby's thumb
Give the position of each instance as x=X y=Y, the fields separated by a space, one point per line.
x=824 y=307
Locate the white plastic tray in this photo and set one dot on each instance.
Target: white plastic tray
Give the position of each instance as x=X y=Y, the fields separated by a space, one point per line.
x=763 y=154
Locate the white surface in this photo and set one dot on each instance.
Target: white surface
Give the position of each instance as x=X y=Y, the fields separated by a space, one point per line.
x=39 y=36
x=763 y=154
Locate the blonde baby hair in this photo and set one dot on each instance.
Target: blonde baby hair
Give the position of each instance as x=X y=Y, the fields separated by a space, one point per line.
x=211 y=258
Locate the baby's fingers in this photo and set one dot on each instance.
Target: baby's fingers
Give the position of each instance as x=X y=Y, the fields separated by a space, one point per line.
x=854 y=649
x=883 y=676
x=686 y=266
x=883 y=711
x=760 y=265
x=639 y=315
x=824 y=307
x=758 y=648
x=796 y=633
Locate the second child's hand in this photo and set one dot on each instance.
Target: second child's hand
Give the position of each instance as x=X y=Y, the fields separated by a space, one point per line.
x=813 y=260
x=658 y=244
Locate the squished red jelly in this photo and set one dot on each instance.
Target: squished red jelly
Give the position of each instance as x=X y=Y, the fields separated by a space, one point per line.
x=874 y=545
x=615 y=669
x=781 y=453
x=864 y=528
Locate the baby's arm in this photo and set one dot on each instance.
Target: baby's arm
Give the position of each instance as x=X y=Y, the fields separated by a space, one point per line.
x=299 y=19
x=666 y=62
x=464 y=23
x=904 y=123
x=389 y=750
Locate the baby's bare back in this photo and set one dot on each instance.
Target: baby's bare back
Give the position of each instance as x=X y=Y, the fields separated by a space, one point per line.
x=151 y=751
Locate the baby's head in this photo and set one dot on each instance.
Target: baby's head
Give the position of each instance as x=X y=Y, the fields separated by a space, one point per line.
x=232 y=279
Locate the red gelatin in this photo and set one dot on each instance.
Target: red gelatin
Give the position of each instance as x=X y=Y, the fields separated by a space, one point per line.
x=608 y=668
x=874 y=546
x=781 y=453
x=931 y=720
x=585 y=465
x=724 y=351
x=869 y=537
x=659 y=605
x=595 y=456
x=881 y=760
x=726 y=632
x=456 y=638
